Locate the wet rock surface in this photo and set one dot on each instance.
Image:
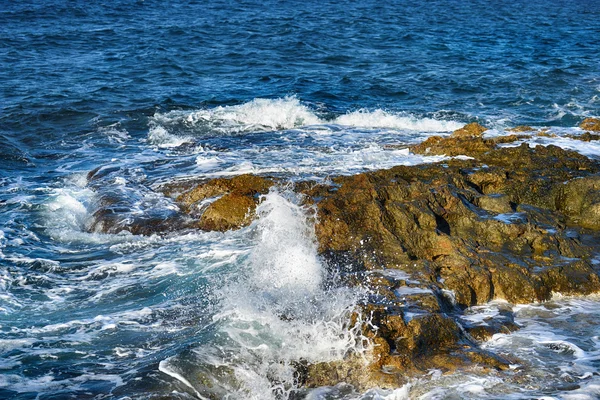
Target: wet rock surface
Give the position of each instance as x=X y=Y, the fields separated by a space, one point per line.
x=509 y=224
x=217 y=204
x=590 y=124
x=224 y=203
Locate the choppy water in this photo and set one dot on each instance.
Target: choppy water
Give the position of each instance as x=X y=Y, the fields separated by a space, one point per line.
x=153 y=91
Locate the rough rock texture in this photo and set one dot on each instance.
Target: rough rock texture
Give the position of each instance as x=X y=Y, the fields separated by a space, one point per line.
x=590 y=124
x=501 y=226
x=522 y=128
x=214 y=205
x=481 y=225
x=243 y=185
x=224 y=203
x=470 y=130
x=471 y=146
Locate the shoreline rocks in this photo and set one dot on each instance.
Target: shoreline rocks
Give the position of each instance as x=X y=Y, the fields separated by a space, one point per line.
x=501 y=226
x=504 y=223
x=590 y=124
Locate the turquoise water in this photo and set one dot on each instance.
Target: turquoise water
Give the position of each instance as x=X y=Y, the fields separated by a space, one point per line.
x=153 y=91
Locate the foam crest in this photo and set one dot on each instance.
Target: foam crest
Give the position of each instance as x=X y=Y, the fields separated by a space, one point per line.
x=258 y=114
x=160 y=137
x=285 y=258
x=67 y=209
x=175 y=128
x=383 y=119
x=67 y=214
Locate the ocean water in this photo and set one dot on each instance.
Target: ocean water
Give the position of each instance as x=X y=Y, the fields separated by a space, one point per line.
x=155 y=91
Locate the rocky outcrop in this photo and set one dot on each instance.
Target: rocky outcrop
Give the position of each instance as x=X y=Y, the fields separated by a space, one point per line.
x=471 y=146
x=590 y=124
x=514 y=223
x=482 y=226
x=224 y=203
x=500 y=226
x=522 y=128
x=217 y=204
x=470 y=130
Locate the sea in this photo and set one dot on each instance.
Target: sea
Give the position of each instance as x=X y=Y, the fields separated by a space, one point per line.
x=153 y=92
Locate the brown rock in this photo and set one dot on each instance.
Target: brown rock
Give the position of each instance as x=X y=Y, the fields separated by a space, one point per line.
x=470 y=130
x=471 y=146
x=575 y=278
x=522 y=128
x=232 y=211
x=497 y=203
x=246 y=185
x=590 y=124
x=238 y=197
x=580 y=199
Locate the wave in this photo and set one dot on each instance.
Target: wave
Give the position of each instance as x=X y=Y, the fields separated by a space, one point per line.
x=384 y=119
x=260 y=115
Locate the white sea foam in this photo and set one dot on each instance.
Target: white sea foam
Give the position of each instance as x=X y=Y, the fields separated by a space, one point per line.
x=590 y=149
x=165 y=367
x=49 y=383
x=67 y=215
x=160 y=136
x=313 y=163
x=384 y=119
x=258 y=114
x=115 y=133
x=287 y=113
x=285 y=257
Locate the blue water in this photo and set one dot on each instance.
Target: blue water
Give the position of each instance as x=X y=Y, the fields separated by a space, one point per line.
x=151 y=91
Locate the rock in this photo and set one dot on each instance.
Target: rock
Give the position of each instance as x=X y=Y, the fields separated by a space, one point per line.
x=470 y=130
x=234 y=207
x=471 y=146
x=466 y=232
x=426 y=242
x=587 y=137
x=521 y=128
x=245 y=185
x=232 y=211
x=575 y=278
x=590 y=124
x=580 y=199
x=426 y=334
x=497 y=203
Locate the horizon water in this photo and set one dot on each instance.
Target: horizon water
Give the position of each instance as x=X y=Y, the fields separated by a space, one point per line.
x=153 y=92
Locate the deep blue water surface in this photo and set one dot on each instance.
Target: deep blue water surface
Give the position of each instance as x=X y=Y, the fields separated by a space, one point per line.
x=153 y=90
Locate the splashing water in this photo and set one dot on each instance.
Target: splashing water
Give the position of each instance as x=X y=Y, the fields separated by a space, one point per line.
x=276 y=312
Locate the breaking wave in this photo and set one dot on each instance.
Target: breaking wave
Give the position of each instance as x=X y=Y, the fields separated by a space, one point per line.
x=259 y=115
